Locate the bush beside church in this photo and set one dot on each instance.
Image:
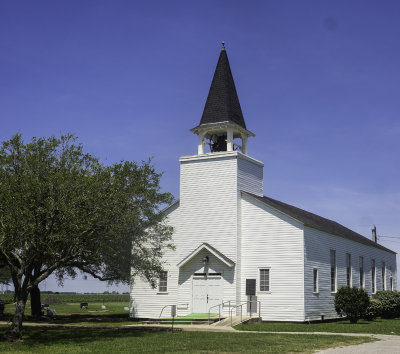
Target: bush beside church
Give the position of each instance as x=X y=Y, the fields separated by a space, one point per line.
x=354 y=303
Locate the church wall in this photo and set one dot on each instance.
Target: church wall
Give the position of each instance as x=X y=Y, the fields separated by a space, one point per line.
x=146 y=302
x=272 y=240
x=206 y=213
x=318 y=245
x=208 y=199
x=250 y=179
x=250 y=175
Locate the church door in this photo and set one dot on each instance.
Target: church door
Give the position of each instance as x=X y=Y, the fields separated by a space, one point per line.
x=207 y=292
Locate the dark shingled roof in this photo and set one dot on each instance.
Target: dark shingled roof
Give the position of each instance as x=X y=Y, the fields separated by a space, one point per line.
x=318 y=222
x=222 y=103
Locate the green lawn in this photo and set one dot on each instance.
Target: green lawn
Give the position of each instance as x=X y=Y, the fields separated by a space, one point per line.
x=70 y=313
x=75 y=297
x=379 y=326
x=99 y=323
x=82 y=340
x=112 y=308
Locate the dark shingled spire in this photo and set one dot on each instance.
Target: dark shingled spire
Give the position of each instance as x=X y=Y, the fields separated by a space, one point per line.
x=222 y=102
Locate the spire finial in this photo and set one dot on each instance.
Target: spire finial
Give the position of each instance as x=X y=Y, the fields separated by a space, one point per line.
x=223 y=45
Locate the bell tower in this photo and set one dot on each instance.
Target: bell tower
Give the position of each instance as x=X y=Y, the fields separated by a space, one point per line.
x=222 y=121
x=212 y=181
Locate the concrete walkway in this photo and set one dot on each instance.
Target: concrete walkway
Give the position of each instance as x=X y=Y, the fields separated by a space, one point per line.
x=385 y=345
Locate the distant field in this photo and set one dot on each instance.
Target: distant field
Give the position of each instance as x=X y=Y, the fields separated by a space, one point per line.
x=73 y=308
x=74 y=298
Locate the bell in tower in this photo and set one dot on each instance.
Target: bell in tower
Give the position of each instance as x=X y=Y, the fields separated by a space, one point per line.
x=218 y=143
x=222 y=121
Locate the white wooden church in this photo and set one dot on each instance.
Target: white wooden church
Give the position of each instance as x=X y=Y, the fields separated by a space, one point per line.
x=232 y=242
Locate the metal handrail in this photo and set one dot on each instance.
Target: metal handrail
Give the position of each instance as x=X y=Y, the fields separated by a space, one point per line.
x=228 y=302
x=163 y=310
x=241 y=309
x=219 y=309
x=219 y=312
x=177 y=306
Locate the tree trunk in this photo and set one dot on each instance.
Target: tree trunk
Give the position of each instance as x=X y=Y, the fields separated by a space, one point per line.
x=16 y=325
x=36 y=305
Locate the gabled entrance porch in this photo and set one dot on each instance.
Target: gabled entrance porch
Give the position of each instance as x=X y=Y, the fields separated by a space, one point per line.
x=206 y=279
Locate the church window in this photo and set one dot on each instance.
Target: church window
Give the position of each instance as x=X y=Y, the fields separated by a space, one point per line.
x=162 y=284
x=391 y=279
x=315 y=280
x=348 y=269
x=361 y=265
x=333 y=271
x=264 y=279
x=373 y=280
x=383 y=276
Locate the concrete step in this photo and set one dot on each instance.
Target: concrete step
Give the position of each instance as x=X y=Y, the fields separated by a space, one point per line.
x=235 y=321
x=181 y=320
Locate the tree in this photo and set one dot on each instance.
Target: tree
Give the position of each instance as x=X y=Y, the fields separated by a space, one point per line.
x=351 y=302
x=36 y=304
x=5 y=277
x=62 y=210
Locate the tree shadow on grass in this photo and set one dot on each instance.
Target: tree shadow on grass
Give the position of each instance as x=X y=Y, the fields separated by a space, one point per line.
x=65 y=319
x=90 y=319
x=44 y=336
x=354 y=324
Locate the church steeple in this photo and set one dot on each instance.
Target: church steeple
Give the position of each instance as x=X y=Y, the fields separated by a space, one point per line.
x=222 y=103
x=222 y=120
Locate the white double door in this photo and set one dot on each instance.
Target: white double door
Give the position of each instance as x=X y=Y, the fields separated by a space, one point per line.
x=207 y=292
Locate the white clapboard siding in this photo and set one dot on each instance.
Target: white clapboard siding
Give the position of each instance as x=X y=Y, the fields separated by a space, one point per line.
x=207 y=213
x=273 y=240
x=250 y=179
x=317 y=255
x=208 y=201
x=146 y=302
x=250 y=175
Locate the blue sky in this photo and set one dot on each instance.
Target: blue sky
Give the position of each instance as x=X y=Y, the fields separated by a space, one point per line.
x=318 y=83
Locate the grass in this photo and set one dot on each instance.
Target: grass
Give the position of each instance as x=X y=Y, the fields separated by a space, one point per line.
x=71 y=313
x=199 y=315
x=8 y=298
x=114 y=308
x=98 y=323
x=83 y=340
x=379 y=326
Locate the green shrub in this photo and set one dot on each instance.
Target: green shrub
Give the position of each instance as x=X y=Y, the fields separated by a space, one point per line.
x=390 y=301
x=373 y=310
x=351 y=302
